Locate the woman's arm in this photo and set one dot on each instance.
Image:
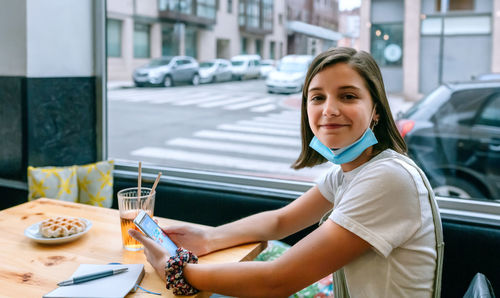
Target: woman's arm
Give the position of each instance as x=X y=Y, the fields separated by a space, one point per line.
x=276 y=224
x=325 y=250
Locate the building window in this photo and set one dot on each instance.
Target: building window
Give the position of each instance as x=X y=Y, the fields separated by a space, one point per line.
x=253 y=13
x=241 y=13
x=184 y=6
x=191 y=41
x=169 y=40
x=272 y=46
x=258 y=47
x=455 y=5
x=456 y=25
x=280 y=19
x=229 y=6
x=141 y=40
x=267 y=14
x=243 y=45
x=114 y=38
x=387 y=44
x=206 y=8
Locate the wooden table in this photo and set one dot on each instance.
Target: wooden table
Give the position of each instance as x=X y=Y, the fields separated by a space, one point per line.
x=29 y=269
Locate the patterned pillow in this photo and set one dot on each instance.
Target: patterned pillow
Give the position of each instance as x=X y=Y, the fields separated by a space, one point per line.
x=95 y=183
x=53 y=182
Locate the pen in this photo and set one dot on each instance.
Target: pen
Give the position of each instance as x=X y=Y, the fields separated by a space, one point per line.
x=91 y=276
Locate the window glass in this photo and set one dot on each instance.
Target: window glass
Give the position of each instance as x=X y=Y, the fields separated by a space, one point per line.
x=258 y=47
x=206 y=8
x=141 y=40
x=169 y=40
x=191 y=41
x=491 y=113
x=114 y=35
x=457 y=25
x=231 y=121
x=387 y=44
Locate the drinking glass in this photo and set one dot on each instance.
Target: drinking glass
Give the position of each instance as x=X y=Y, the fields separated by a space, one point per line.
x=129 y=205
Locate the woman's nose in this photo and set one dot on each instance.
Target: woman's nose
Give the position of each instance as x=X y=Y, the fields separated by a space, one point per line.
x=330 y=108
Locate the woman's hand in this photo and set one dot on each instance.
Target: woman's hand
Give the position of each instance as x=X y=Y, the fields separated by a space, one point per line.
x=156 y=255
x=191 y=238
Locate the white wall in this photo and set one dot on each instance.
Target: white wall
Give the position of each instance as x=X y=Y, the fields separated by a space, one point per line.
x=55 y=49
x=13 y=38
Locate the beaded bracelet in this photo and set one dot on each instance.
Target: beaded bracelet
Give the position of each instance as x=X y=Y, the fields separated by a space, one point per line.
x=174 y=274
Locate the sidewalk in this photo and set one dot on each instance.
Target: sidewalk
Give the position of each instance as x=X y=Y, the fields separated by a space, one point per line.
x=113 y=85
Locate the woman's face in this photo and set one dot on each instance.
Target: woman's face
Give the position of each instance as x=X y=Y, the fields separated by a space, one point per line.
x=339 y=106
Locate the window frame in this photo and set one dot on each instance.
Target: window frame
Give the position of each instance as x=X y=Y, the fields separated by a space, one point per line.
x=450 y=208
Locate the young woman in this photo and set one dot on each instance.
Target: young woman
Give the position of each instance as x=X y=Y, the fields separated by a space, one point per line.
x=384 y=231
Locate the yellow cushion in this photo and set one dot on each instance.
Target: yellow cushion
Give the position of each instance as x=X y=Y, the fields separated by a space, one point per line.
x=95 y=183
x=53 y=182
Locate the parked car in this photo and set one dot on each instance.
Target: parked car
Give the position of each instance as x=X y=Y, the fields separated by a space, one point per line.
x=487 y=77
x=453 y=134
x=245 y=67
x=216 y=70
x=266 y=67
x=290 y=74
x=167 y=71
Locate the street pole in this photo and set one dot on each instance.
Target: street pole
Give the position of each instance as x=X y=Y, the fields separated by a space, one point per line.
x=444 y=9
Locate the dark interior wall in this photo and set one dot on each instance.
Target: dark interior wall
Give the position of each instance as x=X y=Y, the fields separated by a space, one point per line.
x=12 y=125
x=46 y=122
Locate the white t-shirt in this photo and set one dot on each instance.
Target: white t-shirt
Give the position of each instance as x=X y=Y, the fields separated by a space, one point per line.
x=387 y=206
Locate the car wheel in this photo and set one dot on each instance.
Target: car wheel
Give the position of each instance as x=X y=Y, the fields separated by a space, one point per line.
x=456 y=187
x=196 y=79
x=167 y=81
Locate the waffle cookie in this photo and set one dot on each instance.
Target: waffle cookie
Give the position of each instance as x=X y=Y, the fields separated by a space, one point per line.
x=61 y=227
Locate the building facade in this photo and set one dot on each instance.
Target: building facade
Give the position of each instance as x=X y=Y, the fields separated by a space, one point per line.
x=421 y=44
x=312 y=26
x=140 y=30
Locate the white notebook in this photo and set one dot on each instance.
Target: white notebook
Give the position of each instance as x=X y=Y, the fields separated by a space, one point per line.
x=118 y=285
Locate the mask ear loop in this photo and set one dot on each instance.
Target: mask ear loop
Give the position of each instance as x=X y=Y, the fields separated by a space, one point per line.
x=373 y=123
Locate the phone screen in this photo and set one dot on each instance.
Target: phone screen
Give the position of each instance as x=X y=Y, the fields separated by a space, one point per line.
x=151 y=229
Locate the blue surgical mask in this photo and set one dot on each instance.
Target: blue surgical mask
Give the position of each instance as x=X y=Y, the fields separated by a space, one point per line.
x=346 y=154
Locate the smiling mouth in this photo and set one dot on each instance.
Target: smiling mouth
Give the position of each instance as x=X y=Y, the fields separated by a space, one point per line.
x=332 y=126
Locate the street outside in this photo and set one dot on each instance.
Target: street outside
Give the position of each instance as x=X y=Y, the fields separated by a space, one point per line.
x=234 y=127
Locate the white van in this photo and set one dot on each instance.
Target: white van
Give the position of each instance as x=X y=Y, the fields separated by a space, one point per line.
x=245 y=67
x=290 y=74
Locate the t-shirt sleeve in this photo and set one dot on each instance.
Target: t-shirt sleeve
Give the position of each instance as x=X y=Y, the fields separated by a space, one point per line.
x=381 y=206
x=326 y=183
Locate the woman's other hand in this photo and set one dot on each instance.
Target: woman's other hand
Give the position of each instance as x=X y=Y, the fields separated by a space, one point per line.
x=156 y=255
x=191 y=238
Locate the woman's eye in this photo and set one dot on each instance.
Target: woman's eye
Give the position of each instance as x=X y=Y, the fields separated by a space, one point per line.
x=315 y=98
x=349 y=96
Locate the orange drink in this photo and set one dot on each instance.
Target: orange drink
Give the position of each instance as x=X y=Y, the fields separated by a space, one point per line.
x=129 y=205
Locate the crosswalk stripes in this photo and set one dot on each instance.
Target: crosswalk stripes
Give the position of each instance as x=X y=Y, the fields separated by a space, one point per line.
x=235 y=147
x=233 y=99
x=262 y=130
x=264 y=108
x=245 y=137
x=260 y=144
x=248 y=104
x=252 y=101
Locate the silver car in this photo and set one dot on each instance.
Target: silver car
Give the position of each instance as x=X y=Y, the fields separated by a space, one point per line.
x=216 y=70
x=290 y=75
x=166 y=71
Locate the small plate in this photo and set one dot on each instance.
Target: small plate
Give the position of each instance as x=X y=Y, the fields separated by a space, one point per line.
x=33 y=232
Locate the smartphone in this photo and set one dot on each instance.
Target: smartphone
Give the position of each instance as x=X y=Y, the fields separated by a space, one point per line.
x=151 y=229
